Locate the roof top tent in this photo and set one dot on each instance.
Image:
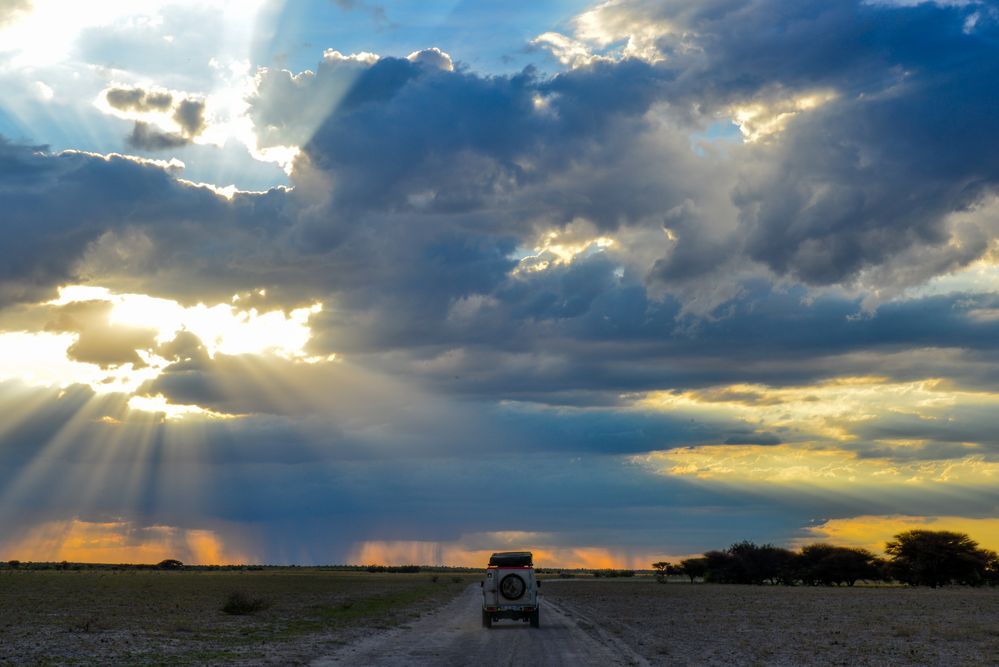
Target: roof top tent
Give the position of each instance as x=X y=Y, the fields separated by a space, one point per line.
x=512 y=559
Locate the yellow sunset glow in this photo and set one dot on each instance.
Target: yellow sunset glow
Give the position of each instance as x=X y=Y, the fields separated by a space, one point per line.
x=80 y=541
x=871 y=532
x=467 y=552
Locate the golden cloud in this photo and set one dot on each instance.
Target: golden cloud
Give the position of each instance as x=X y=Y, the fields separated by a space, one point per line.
x=835 y=469
x=829 y=410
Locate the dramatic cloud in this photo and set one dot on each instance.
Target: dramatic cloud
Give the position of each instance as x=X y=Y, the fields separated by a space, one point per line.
x=729 y=272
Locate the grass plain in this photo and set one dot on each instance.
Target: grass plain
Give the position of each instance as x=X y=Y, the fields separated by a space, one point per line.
x=136 y=617
x=710 y=624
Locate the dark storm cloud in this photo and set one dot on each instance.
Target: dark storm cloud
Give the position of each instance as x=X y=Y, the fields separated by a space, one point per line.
x=874 y=172
x=56 y=204
x=408 y=137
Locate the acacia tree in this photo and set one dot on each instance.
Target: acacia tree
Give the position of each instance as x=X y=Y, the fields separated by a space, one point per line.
x=662 y=569
x=749 y=563
x=694 y=567
x=938 y=557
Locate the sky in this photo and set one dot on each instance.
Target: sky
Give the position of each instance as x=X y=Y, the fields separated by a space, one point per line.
x=346 y=281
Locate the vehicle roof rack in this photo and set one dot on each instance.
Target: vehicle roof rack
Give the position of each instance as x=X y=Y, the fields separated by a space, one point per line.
x=512 y=559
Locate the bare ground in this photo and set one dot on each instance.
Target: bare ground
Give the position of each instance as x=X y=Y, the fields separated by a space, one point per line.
x=639 y=622
x=704 y=624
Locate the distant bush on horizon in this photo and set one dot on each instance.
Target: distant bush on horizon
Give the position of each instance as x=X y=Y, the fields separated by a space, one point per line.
x=916 y=557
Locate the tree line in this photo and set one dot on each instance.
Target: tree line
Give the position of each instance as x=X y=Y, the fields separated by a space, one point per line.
x=915 y=557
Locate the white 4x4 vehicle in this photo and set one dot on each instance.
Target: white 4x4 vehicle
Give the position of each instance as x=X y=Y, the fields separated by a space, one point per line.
x=510 y=589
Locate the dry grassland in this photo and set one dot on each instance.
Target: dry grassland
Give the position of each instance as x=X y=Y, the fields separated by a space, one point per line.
x=151 y=617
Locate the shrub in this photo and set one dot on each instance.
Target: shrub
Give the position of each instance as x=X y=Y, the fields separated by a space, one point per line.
x=396 y=569
x=613 y=573
x=169 y=564
x=239 y=604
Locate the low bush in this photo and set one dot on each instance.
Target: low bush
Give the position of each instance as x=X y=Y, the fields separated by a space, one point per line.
x=240 y=604
x=613 y=573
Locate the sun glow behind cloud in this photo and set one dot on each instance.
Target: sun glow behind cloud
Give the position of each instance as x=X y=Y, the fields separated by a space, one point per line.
x=41 y=359
x=563 y=246
x=221 y=328
x=47 y=33
x=761 y=120
x=46 y=358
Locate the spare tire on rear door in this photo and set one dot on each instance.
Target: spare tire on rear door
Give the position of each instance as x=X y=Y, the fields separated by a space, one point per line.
x=512 y=587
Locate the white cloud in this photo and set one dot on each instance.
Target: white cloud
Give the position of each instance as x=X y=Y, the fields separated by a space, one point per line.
x=613 y=30
x=432 y=57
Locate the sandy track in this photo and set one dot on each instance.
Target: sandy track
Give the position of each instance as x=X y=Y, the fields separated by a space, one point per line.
x=453 y=635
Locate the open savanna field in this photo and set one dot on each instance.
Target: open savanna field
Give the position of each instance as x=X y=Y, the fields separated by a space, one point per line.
x=91 y=617
x=138 y=617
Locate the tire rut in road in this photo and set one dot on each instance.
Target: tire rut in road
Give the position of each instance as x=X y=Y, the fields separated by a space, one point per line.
x=453 y=635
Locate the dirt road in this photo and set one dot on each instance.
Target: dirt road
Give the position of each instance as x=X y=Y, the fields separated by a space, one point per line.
x=453 y=635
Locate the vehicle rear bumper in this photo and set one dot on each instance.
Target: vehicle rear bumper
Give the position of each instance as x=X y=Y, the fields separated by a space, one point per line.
x=518 y=612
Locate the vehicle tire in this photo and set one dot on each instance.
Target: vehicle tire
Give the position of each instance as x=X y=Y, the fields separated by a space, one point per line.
x=536 y=618
x=487 y=620
x=512 y=587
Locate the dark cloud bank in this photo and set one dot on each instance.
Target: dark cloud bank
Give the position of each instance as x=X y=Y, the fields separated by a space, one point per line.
x=419 y=190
